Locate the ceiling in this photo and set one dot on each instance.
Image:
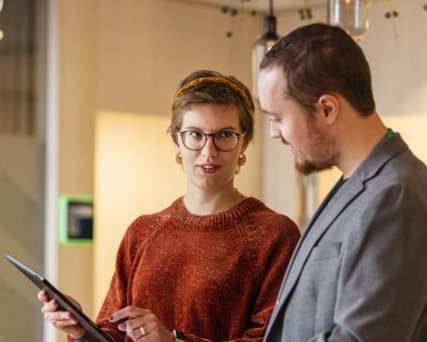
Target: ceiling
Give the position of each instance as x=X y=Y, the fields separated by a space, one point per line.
x=263 y=5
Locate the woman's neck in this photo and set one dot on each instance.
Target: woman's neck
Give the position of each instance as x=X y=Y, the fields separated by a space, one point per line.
x=206 y=203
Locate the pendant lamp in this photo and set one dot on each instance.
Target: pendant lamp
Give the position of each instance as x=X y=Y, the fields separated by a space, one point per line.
x=351 y=15
x=262 y=45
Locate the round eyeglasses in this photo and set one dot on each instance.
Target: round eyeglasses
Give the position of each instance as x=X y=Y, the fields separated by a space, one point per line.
x=224 y=141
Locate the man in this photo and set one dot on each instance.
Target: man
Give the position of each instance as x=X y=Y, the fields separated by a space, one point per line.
x=359 y=272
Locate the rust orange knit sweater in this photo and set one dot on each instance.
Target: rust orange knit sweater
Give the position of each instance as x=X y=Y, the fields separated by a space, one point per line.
x=212 y=277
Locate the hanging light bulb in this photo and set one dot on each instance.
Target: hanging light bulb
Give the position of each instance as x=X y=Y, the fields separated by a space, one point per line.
x=262 y=45
x=351 y=15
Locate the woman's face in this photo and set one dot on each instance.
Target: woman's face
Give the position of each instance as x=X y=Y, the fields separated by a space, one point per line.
x=208 y=168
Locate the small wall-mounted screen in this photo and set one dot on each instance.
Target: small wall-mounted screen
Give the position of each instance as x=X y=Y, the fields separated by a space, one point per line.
x=76 y=219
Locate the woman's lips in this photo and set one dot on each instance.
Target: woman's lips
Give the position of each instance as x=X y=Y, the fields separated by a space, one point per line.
x=209 y=168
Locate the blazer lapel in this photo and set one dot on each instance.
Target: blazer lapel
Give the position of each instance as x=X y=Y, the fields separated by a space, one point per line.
x=326 y=214
x=324 y=217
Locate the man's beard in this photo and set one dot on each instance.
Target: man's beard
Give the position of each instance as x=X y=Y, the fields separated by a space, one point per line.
x=324 y=160
x=306 y=167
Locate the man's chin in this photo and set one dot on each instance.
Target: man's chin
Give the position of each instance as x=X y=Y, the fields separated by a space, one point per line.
x=306 y=168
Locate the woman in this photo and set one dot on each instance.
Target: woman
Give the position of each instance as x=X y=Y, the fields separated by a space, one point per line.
x=209 y=266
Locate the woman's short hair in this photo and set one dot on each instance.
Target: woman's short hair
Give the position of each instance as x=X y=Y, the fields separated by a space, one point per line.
x=207 y=86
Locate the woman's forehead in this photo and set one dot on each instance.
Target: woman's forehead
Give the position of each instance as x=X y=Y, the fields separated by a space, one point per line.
x=211 y=112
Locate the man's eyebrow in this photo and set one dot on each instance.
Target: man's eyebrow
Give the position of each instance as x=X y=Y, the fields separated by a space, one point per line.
x=267 y=112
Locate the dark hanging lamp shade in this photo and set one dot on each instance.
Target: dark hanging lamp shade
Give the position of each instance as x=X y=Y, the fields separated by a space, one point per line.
x=262 y=45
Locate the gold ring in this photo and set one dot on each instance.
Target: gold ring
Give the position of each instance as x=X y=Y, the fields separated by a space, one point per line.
x=142 y=330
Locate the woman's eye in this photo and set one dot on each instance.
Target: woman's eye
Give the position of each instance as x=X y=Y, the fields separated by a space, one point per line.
x=225 y=134
x=195 y=134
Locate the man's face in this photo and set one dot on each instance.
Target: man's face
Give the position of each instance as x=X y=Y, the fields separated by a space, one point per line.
x=302 y=131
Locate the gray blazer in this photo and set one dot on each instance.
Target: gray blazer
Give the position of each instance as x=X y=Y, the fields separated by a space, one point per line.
x=359 y=272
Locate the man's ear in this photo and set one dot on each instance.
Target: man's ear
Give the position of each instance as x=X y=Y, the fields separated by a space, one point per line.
x=329 y=106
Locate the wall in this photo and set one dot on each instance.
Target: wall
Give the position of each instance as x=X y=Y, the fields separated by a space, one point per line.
x=396 y=51
x=410 y=126
x=136 y=174
x=144 y=51
x=146 y=69
x=74 y=30
x=127 y=57
x=23 y=31
x=21 y=225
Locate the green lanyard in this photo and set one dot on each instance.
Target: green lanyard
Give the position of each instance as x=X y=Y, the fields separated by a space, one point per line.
x=384 y=138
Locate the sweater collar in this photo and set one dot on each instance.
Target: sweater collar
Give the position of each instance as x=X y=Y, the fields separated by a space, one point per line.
x=224 y=220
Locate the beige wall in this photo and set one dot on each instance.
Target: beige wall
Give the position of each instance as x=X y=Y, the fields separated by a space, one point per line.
x=136 y=174
x=142 y=58
x=412 y=127
x=396 y=51
x=128 y=57
x=145 y=48
x=77 y=53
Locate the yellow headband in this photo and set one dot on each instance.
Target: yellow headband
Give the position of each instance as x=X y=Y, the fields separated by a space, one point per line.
x=201 y=80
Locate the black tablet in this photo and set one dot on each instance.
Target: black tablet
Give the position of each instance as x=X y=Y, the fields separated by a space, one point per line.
x=64 y=302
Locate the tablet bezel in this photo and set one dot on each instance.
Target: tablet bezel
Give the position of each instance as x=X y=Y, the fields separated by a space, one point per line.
x=64 y=303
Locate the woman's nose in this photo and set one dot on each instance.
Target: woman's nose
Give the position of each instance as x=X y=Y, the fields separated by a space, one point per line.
x=210 y=149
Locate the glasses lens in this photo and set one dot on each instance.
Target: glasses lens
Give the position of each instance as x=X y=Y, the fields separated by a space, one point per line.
x=226 y=141
x=196 y=140
x=193 y=140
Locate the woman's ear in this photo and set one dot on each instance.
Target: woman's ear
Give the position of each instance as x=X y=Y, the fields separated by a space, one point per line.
x=244 y=146
x=176 y=145
x=329 y=106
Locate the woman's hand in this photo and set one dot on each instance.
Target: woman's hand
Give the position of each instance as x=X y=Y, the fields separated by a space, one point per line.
x=61 y=320
x=141 y=325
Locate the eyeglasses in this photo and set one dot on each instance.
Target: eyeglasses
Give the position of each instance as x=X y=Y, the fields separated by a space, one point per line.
x=224 y=141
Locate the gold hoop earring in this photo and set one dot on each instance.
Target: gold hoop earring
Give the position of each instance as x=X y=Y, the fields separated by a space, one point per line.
x=178 y=158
